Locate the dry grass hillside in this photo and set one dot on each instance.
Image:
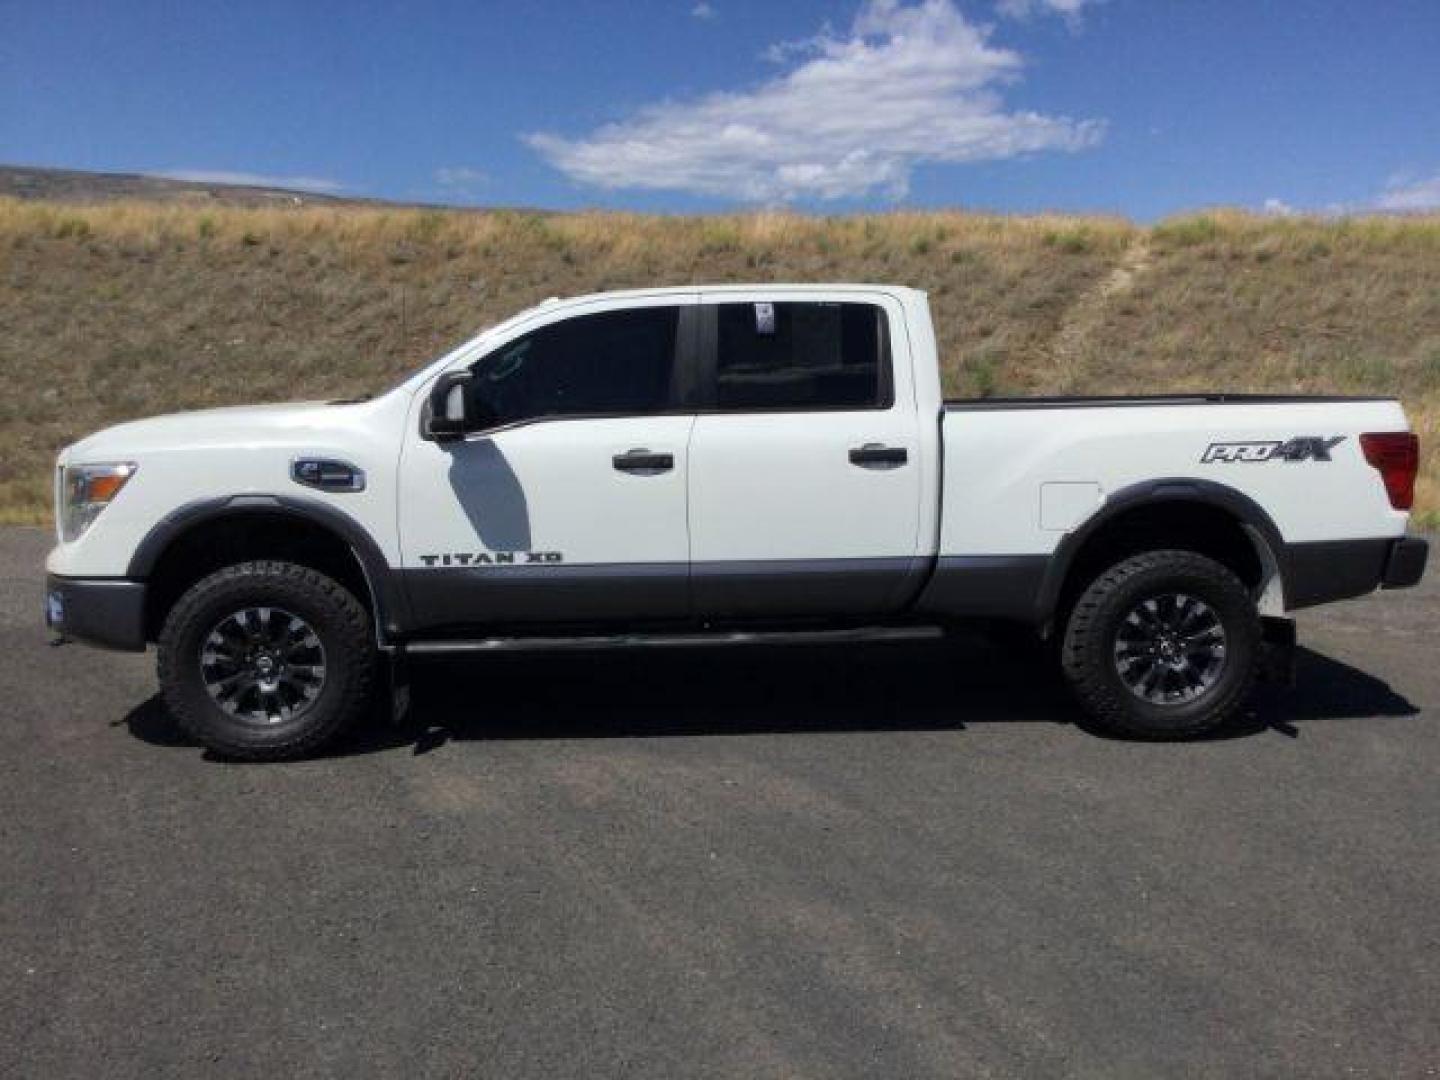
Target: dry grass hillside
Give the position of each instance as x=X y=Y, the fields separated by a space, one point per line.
x=123 y=310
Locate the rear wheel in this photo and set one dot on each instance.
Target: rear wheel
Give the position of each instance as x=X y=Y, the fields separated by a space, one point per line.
x=1163 y=645
x=266 y=660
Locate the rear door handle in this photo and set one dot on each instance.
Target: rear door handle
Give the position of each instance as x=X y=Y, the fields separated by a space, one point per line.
x=878 y=454
x=643 y=461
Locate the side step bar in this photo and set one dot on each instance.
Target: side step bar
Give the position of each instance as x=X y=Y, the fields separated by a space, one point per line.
x=700 y=639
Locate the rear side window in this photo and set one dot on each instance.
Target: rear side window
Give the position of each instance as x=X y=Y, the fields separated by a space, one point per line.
x=611 y=363
x=799 y=356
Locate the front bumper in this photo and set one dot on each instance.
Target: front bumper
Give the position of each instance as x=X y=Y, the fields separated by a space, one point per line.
x=109 y=612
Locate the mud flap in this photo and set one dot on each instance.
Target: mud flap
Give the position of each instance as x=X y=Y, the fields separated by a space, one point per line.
x=1277 y=650
x=398 y=680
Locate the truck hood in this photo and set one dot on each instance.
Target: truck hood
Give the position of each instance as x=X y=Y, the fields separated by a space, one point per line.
x=241 y=426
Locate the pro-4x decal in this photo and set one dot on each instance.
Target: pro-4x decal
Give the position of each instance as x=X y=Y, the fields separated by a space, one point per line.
x=1300 y=448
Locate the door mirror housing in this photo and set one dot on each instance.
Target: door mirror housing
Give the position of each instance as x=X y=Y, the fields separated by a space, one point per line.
x=447 y=417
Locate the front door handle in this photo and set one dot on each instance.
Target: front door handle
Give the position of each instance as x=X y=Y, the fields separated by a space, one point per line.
x=643 y=461
x=878 y=454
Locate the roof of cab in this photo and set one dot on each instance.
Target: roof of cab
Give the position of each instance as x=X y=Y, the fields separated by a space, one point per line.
x=762 y=286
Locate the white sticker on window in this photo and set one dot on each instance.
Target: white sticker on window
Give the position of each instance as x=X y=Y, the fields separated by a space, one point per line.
x=765 y=319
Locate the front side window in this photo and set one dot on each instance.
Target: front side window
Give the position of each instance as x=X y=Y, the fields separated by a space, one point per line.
x=801 y=356
x=611 y=363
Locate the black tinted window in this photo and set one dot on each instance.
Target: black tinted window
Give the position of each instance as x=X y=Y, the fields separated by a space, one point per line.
x=615 y=362
x=802 y=356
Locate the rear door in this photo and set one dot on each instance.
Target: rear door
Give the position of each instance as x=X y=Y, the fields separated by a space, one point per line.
x=568 y=504
x=805 y=485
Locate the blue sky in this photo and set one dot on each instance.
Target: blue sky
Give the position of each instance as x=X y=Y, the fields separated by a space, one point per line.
x=1142 y=107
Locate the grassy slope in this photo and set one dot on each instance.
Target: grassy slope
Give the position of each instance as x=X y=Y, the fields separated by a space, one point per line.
x=119 y=311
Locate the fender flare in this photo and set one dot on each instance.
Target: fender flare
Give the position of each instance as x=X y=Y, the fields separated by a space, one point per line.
x=1259 y=526
x=386 y=596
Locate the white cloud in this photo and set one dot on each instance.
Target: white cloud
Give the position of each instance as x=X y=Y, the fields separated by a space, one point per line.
x=782 y=52
x=703 y=10
x=1024 y=9
x=461 y=179
x=317 y=184
x=1279 y=208
x=909 y=84
x=1404 y=193
x=1409 y=193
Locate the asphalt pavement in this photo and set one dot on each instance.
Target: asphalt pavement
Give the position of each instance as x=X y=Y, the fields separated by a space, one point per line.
x=890 y=861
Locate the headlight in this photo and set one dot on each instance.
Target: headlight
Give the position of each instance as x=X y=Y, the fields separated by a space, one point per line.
x=85 y=491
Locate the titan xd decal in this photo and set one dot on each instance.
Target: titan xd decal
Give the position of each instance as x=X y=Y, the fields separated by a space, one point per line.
x=1300 y=448
x=492 y=558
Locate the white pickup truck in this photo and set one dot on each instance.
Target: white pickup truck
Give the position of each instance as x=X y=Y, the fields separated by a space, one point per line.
x=717 y=465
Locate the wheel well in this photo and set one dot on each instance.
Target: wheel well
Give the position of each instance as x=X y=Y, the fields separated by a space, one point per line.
x=1188 y=526
x=224 y=541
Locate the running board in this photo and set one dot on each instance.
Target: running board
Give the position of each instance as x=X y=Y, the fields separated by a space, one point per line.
x=862 y=635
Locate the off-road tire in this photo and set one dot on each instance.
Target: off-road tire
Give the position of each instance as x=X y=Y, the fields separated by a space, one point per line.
x=1088 y=648
x=337 y=619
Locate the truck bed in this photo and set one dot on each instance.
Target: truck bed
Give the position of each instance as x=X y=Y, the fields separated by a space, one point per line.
x=1020 y=473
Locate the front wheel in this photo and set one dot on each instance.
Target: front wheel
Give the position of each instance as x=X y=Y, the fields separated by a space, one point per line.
x=266 y=660
x=1163 y=645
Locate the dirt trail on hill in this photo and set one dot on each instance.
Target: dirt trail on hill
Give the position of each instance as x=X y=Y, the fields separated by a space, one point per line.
x=1087 y=313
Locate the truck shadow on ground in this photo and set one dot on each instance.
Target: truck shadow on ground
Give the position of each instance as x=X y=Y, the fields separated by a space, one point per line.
x=951 y=685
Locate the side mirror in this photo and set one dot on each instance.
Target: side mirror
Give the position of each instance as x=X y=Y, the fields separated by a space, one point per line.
x=447 y=417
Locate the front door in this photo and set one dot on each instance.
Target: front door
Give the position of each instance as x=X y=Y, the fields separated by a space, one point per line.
x=568 y=505
x=805 y=479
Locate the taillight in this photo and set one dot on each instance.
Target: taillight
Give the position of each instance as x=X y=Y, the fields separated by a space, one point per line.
x=1397 y=455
